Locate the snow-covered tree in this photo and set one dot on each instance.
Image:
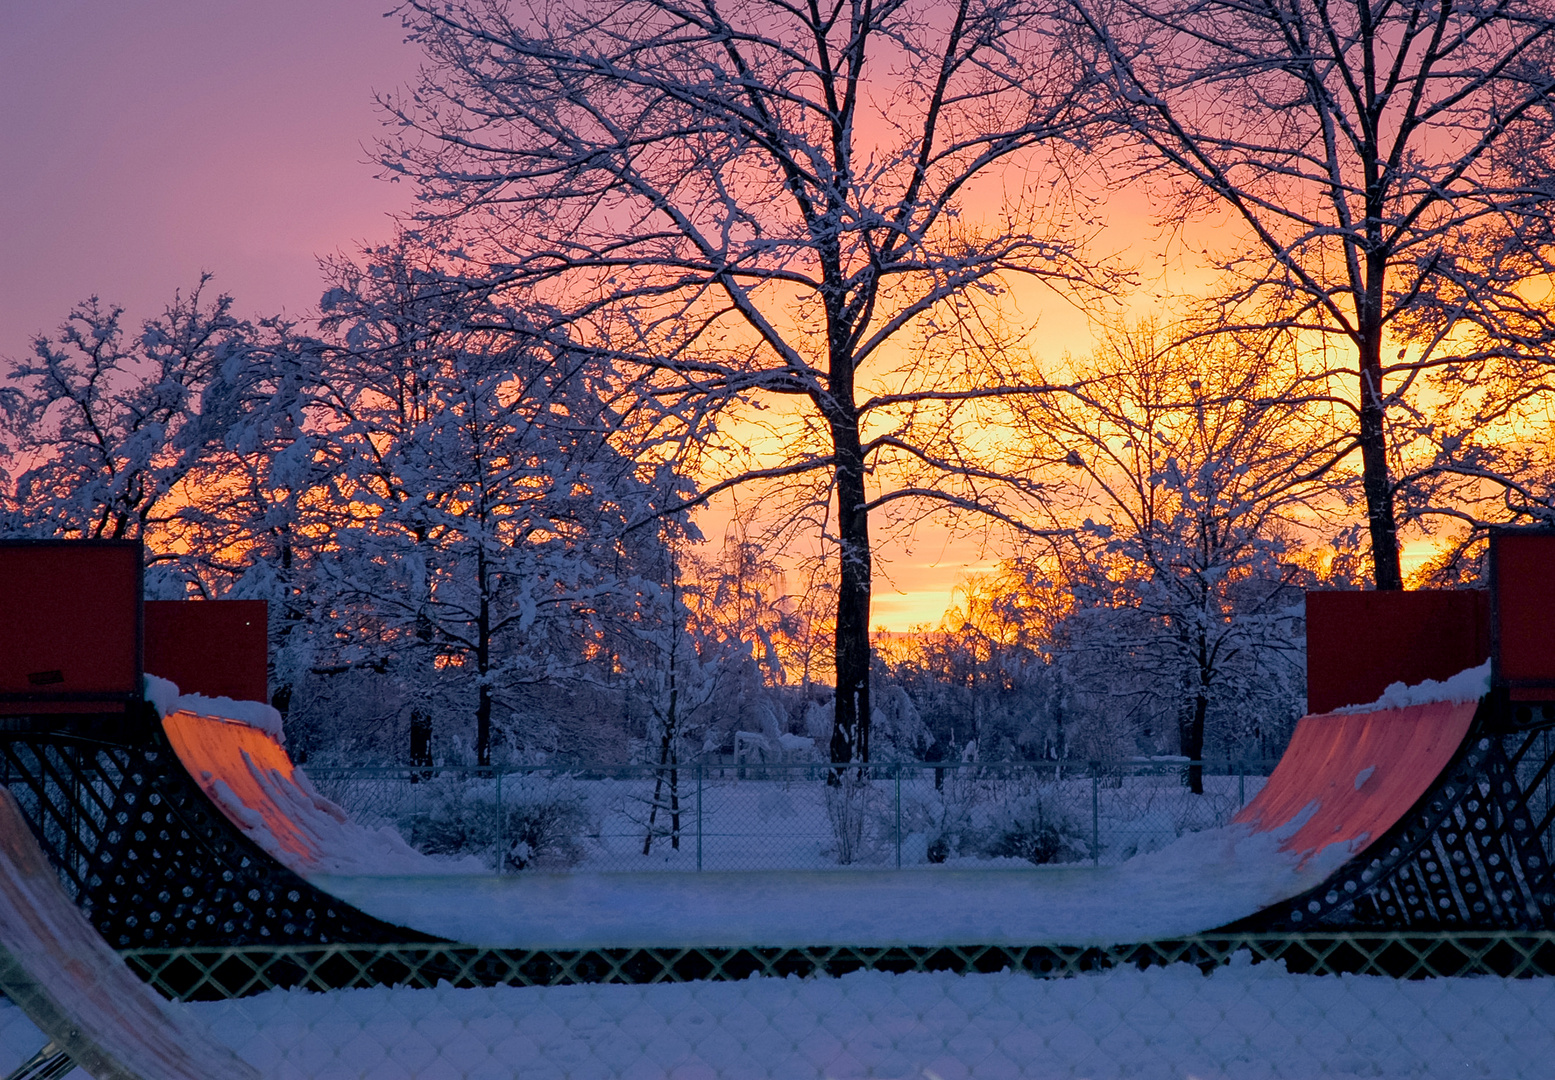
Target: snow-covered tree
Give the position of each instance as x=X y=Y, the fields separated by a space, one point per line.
x=982 y=676
x=104 y=424
x=1190 y=475
x=469 y=509
x=785 y=220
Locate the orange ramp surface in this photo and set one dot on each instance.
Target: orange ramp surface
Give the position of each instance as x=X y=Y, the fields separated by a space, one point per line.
x=1359 y=773
x=257 y=773
x=248 y=775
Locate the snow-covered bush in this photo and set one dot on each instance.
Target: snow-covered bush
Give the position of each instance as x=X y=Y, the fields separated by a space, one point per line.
x=943 y=815
x=544 y=821
x=848 y=805
x=1035 y=828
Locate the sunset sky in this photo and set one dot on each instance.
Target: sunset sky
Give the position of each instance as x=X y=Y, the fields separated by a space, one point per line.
x=148 y=140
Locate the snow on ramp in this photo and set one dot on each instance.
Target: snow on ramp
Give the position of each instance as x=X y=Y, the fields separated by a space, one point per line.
x=233 y=751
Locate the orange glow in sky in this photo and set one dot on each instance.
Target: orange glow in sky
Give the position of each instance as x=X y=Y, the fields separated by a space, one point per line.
x=147 y=142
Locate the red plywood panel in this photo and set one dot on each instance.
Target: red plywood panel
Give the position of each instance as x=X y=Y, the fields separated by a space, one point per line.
x=1359 y=774
x=219 y=648
x=1359 y=643
x=70 y=631
x=1522 y=572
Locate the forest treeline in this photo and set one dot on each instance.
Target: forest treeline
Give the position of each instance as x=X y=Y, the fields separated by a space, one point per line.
x=668 y=255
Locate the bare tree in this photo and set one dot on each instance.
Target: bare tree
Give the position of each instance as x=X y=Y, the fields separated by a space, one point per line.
x=1197 y=475
x=1389 y=167
x=807 y=209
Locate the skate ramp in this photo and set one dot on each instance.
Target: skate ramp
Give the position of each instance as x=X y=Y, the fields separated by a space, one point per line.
x=1356 y=774
x=56 y=968
x=249 y=776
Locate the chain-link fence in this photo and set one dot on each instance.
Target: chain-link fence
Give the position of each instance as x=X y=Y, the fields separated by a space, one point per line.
x=1248 y=1007
x=791 y=816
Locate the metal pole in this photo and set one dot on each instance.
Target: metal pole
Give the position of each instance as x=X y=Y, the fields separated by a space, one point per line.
x=1095 y=813
x=699 y=816
x=499 y=821
x=897 y=768
x=1241 y=783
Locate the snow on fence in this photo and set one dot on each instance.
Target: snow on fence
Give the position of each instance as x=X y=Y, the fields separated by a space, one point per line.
x=591 y=816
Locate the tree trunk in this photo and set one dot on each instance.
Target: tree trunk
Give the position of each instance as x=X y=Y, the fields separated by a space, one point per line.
x=1191 y=737
x=667 y=756
x=482 y=665
x=1375 y=473
x=420 y=739
x=671 y=716
x=850 y=731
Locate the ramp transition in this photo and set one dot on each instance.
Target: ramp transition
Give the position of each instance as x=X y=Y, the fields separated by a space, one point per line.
x=1357 y=775
x=251 y=779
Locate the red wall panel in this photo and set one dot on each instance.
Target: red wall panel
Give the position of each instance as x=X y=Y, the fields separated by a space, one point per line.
x=69 y=625
x=1522 y=575
x=1358 y=643
x=219 y=648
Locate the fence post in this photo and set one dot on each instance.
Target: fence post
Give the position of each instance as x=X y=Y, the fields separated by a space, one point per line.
x=897 y=768
x=1095 y=813
x=498 y=772
x=699 y=815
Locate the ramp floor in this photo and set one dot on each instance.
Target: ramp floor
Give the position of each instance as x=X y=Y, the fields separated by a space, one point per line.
x=1202 y=881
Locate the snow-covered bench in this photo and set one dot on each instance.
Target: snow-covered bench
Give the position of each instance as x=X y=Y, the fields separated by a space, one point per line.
x=56 y=968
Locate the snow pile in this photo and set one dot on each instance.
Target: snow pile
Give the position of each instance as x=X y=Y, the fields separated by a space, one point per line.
x=164 y=695
x=1201 y=881
x=1468 y=685
x=1247 y=1021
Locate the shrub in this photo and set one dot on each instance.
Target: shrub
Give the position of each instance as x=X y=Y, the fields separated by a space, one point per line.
x=847 y=809
x=1037 y=830
x=544 y=820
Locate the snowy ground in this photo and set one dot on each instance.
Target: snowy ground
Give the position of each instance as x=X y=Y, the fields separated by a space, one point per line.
x=1245 y=1022
x=1201 y=881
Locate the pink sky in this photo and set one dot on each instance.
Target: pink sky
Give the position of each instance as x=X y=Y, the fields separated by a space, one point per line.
x=147 y=141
